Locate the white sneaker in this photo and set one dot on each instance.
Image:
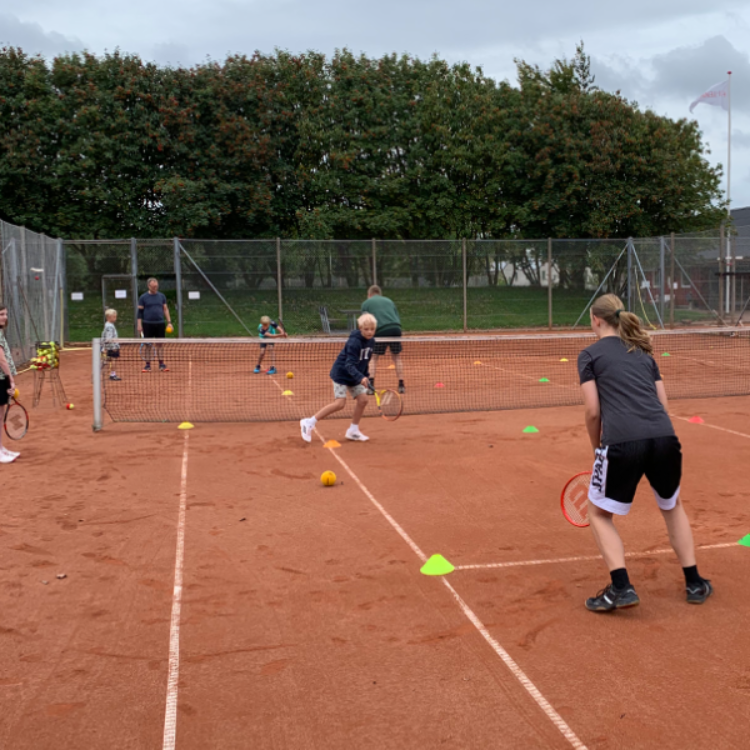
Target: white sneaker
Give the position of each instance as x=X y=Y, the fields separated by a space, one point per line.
x=355 y=434
x=7 y=458
x=307 y=429
x=15 y=454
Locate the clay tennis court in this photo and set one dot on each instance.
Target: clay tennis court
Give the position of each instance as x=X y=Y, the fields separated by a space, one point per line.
x=304 y=620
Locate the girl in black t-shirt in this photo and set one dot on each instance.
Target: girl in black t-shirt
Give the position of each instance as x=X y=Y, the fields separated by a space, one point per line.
x=631 y=433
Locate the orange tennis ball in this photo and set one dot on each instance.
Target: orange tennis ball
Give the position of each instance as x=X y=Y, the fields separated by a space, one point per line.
x=16 y=394
x=290 y=375
x=69 y=406
x=328 y=478
x=170 y=328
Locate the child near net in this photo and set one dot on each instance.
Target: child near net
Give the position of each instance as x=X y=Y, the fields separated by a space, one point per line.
x=268 y=329
x=110 y=345
x=349 y=375
x=630 y=430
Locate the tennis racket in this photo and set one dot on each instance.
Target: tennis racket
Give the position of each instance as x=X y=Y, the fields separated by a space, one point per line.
x=390 y=404
x=16 y=420
x=574 y=499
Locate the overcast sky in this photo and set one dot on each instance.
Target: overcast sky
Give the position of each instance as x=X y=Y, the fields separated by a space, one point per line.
x=660 y=53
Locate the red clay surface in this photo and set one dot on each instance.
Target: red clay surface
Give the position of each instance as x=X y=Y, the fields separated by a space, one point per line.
x=305 y=620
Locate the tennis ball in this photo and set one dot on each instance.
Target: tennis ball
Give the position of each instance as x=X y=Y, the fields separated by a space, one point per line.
x=69 y=406
x=36 y=278
x=328 y=478
x=290 y=375
x=15 y=393
x=170 y=328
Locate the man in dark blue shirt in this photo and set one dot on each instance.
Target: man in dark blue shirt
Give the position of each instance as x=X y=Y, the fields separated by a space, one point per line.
x=153 y=318
x=349 y=375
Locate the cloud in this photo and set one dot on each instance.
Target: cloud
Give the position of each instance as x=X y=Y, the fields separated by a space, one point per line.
x=32 y=38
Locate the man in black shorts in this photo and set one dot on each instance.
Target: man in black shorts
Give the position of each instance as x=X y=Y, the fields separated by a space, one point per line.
x=153 y=318
x=389 y=326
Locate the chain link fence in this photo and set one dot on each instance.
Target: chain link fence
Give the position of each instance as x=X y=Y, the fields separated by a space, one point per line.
x=223 y=287
x=32 y=286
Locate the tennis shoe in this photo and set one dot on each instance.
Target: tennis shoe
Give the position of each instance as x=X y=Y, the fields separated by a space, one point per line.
x=146 y=367
x=401 y=389
x=163 y=368
x=306 y=428
x=697 y=593
x=15 y=454
x=257 y=369
x=115 y=377
x=6 y=457
x=610 y=598
x=271 y=371
x=356 y=435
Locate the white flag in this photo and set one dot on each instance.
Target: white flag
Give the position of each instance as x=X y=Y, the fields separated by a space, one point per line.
x=717 y=95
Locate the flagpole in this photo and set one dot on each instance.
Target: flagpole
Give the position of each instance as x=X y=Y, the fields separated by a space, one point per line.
x=728 y=264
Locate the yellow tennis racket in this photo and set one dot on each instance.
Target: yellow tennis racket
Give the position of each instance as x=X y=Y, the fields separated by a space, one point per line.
x=389 y=404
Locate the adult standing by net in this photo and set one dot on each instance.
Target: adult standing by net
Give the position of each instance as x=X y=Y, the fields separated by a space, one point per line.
x=389 y=326
x=7 y=382
x=153 y=319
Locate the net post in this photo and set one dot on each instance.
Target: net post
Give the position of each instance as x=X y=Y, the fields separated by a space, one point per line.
x=178 y=283
x=671 y=280
x=279 y=278
x=96 y=377
x=134 y=274
x=721 y=269
x=463 y=260
x=374 y=261
x=549 y=283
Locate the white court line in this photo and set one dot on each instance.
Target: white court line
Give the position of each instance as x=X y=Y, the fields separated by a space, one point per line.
x=712 y=426
x=516 y=671
x=170 y=714
x=581 y=558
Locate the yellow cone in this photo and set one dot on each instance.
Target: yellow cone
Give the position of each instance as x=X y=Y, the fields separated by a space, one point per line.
x=185 y=426
x=437 y=565
x=287 y=393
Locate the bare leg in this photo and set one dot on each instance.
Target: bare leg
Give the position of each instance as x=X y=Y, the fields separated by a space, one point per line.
x=607 y=538
x=262 y=354
x=399 y=365
x=359 y=408
x=680 y=534
x=326 y=411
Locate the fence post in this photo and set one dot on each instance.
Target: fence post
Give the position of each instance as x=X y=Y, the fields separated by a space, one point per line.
x=661 y=277
x=96 y=379
x=463 y=259
x=671 y=280
x=63 y=288
x=374 y=261
x=733 y=277
x=549 y=283
x=721 y=271
x=279 y=277
x=134 y=274
x=630 y=273
x=178 y=283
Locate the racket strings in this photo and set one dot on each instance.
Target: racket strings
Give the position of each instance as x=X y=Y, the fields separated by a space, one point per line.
x=575 y=500
x=16 y=421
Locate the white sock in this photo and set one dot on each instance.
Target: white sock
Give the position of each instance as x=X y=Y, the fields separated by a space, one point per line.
x=312 y=421
x=354 y=427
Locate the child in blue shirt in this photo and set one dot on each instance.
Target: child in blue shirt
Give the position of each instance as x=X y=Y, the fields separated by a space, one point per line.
x=269 y=329
x=349 y=375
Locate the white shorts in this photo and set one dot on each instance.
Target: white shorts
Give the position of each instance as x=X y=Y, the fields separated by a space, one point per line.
x=340 y=390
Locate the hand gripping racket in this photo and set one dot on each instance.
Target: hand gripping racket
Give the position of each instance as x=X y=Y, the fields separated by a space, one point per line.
x=390 y=404
x=16 y=420
x=574 y=499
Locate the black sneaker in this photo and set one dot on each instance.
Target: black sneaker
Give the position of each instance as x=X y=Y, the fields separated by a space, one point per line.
x=115 y=377
x=697 y=593
x=611 y=598
x=401 y=389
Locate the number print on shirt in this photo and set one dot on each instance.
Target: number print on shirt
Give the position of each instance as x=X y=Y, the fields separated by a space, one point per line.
x=365 y=353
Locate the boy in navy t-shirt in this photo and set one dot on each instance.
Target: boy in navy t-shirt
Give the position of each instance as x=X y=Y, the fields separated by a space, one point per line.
x=349 y=375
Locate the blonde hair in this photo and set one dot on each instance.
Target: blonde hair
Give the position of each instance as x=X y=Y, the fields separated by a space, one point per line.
x=109 y=312
x=367 y=319
x=266 y=319
x=628 y=325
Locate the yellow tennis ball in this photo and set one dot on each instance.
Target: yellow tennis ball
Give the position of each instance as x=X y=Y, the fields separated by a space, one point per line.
x=290 y=375
x=15 y=393
x=70 y=406
x=170 y=328
x=328 y=478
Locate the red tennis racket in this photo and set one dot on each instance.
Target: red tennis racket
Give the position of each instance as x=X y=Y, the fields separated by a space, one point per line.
x=574 y=499
x=16 y=421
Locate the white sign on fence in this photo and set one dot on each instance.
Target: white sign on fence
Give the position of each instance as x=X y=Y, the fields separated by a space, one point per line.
x=194 y=295
x=76 y=296
x=121 y=293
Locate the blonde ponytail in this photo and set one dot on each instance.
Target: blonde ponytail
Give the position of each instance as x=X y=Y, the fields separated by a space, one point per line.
x=628 y=325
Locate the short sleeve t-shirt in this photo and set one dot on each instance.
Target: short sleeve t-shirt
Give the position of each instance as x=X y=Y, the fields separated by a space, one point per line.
x=626 y=383
x=272 y=329
x=385 y=312
x=153 y=307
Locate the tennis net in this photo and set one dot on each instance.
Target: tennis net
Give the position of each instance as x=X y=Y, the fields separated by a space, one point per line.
x=213 y=380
